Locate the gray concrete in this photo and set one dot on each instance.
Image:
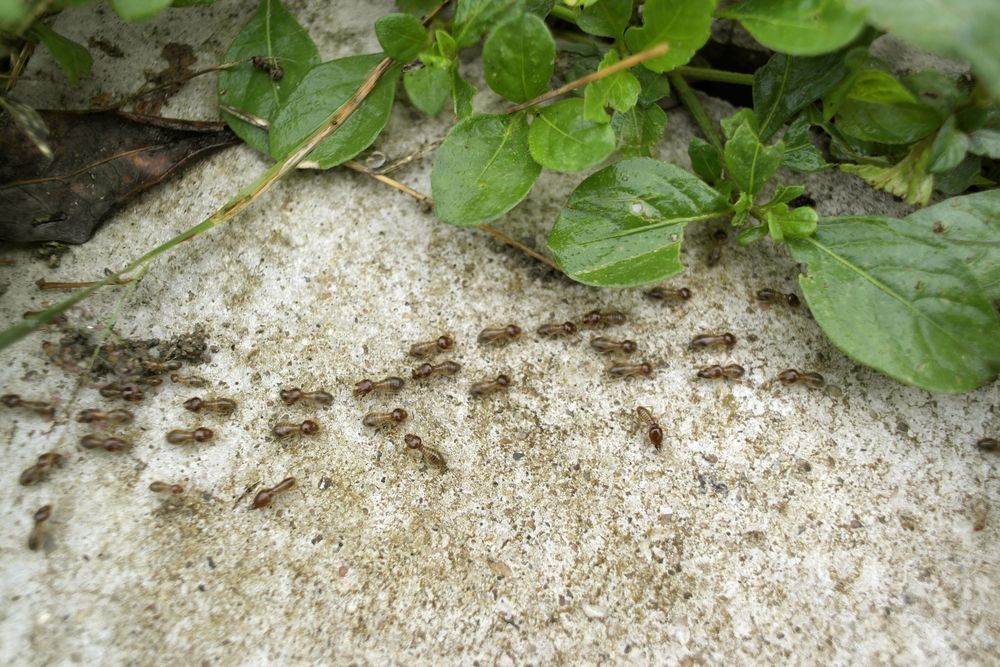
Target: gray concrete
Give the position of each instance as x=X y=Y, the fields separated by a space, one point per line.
x=777 y=526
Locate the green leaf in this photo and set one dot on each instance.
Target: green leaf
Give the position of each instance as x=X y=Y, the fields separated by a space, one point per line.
x=798 y=27
x=751 y=164
x=325 y=89
x=958 y=180
x=949 y=147
x=474 y=18
x=483 y=169
x=936 y=90
x=986 y=142
x=965 y=29
x=540 y=8
x=639 y=129
x=518 y=58
x=654 y=86
x=787 y=84
x=139 y=10
x=428 y=88
x=892 y=297
x=791 y=224
x=402 y=36
x=751 y=234
x=969 y=227
x=606 y=18
x=683 y=24
x=74 y=59
x=12 y=13
x=908 y=178
x=623 y=225
x=786 y=193
x=446 y=44
x=732 y=123
x=879 y=108
x=620 y=91
x=705 y=160
x=561 y=139
x=853 y=61
x=462 y=93
x=800 y=153
x=418 y=8
x=272 y=33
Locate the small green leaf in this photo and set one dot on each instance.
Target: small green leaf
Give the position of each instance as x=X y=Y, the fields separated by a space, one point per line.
x=474 y=18
x=936 y=90
x=624 y=224
x=446 y=45
x=751 y=164
x=518 y=58
x=139 y=10
x=684 y=25
x=462 y=93
x=271 y=33
x=639 y=129
x=561 y=139
x=732 y=123
x=705 y=160
x=654 y=86
x=74 y=59
x=879 y=108
x=949 y=147
x=791 y=224
x=786 y=193
x=483 y=169
x=606 y=18
x=908 y=178
x=620 y=91
x=894 y=298
x=751 y=234
x=540 y=8
x=323 y=90
x=428 y=88
x=958 y=180
x=786 y=84
x=402 y=36
x=800 y=153
x=798 y=27
x=986 y=142
x=853 y=61
x=12 y=13
x=418 y=8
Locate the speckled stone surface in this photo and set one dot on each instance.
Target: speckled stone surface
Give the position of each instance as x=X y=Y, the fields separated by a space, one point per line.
x=777 y=526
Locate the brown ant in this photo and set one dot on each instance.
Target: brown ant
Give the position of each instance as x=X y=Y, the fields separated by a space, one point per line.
x=499 y=335
x=655 y=433
x=809 y=379
x=220 y=406
x=608 y=346
x=180 y=436
x=596 y=318
x=489 y=386
x=555 y=329
x=987 y=444
x=36 y=473
x=265 y=496
x=36 y=536
x=669 y=294
x=430 y=455
x=432 y=347
x=295 y=395
x=389 y=385
x=153 y=366
x=711 y=340
x=270 y=65
x=630 y=370
x=113 y=445
x=718 y=240
x=161 y=487
x=129 y=392
x=731 y=372
x=116 y=416
x=195 y=381
x=425 y=371
x=379 y=420
x=148 y=380
x=41 y=408
x=287 y=429
x=769 y=296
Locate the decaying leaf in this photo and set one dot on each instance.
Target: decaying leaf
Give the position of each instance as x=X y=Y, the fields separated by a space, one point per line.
x=100 y=159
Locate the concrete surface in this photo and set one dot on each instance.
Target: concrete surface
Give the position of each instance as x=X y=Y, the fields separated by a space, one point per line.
x=778 y=525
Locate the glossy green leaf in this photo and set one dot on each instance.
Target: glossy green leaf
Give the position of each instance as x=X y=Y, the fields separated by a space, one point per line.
x=783 y=194
x=879 y=108
x=798 y=27
x=853 y=61
x=909 y=178
x=139 y=10
x=620 y=91
x=446 y=44
x=986 y=142
x=791 y=224
x=561 y=139
x=462 y=93
x=624 y=224
x=732 y=123
x=894 y=298
x=483 y=169
x=474 y=18
x=428 y=88
x=800 y=152
x=705 y=160
x=749 y=163
x=654 y=86
x=272 y=33
x=949 y=147
x=401 y=36
x=74 y=59
x=786 y=84
x=684 y=25
x=639 y=130
x=323 y=90
x=518 y=58
x=606 y=18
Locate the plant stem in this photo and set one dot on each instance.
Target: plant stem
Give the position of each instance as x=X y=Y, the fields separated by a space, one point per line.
x=563 y=13
x=693 y=105
x=709 y=74
x=631 y=61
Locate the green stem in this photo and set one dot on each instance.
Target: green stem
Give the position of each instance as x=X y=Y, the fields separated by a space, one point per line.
x=564 y=13
x=709 y=74
x=693 y=105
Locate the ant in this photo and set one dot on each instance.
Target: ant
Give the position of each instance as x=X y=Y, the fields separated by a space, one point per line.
x=432 y=347
x=379 y=420
x=425 y=371
x=156 y=367
x=554 y=330
x=985 y=444
x=489 y=386
x=809 y=379
x=295 y=394
x=655 y=433
x=389 y=385
x=287 y=429
x=596 y=318
x=36 y=473
x=712 y=340
x=668 y=294
x=718 y=240
x=608 y=346
x=430 y=455
x=220 y=406
x=113 y=445
x=180 y=436
x=161 y=487
x=499 y=335
x=129 y=392
x=36 y=536
x=116 y=416
x=270 y=65
x=769 y=296
x=41 y=408
x=630 y=370
x=148 y=380
x=731 y=372
x=265 y=496
x=195 y=381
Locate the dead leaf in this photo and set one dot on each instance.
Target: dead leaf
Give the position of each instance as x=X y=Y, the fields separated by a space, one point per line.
x=499 y=568
x=100 y=160
x=168 y=81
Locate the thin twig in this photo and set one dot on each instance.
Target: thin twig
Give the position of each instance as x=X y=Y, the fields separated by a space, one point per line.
x=497 y=234
x=709 y=74
x=631 y=61
x=45 y=284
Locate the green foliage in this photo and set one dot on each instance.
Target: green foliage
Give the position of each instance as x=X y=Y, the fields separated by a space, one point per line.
x=474 y=18
x=787 y=84
x=606 y=18
x=749 y=163
x=72 y=58
x=401 y=36
x=683 y=24
x=639 y=129
x=800 y=152
x=620 y=91
x=518 y=58
x=416 y=8
x=428 y=88
x=562 y=139
x=139 y=10
x=798 y=27
x=879 y=108
x=705 y=160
